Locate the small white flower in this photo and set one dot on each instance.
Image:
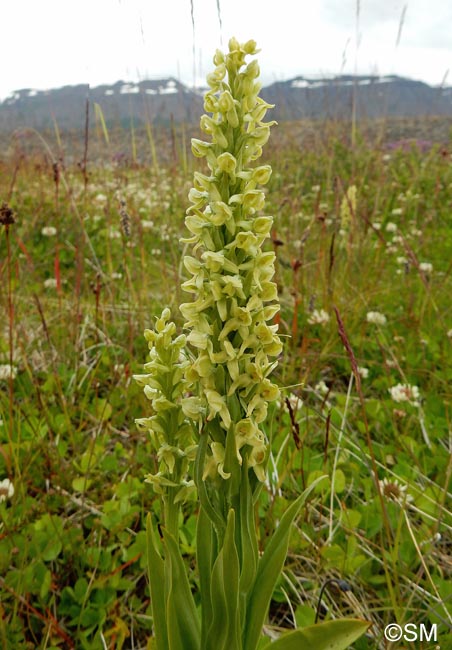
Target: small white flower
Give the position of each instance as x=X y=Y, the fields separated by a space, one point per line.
x=318 y=317
x=405 y=393
x=100 y=198
x=426 y=267
x=386 y=157
x=402 y=260
x=7 y=371
x=116 y=276
x=114 y=234
x=296 y=403
x=391 y=227
x=49 y=231
x=376 y=318
x=449 y=334
x=6 y=489
x=396 y=212
x=364 y=372
x=394 y=490
x=321 y=388
x=50 y=283
x=376 y=225
x=147 y=225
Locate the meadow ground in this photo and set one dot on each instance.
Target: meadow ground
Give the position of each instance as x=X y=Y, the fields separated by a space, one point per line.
x=363 y=237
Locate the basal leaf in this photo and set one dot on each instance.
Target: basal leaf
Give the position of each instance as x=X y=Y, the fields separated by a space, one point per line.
x=333 y=635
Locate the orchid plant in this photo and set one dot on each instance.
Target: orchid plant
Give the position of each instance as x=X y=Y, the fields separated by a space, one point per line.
x=210 y=389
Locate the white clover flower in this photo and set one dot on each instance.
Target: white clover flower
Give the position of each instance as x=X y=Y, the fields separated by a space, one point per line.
x=296 y=403
x=116 y=276
x=376 y=225
x=394 y=490
x=402 y=260
x=100 y=198
x=321 y=388
x=364 y=372
x=50 y=283
x=147 y=225
x=396 y=211
x=426 y=267
x=449 y=334
x=319 y=317
x=405 y=393
x=6 y=489
x=376 y=318
x=391 y=227
x=49 y=231
x=7 y=371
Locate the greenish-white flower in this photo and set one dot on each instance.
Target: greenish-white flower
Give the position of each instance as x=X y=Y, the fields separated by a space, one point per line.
x=228 y=323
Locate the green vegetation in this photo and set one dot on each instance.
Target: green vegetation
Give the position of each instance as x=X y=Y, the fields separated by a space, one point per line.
x=93 y=257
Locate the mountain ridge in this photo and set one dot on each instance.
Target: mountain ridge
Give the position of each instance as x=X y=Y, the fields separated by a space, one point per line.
x=161 y=100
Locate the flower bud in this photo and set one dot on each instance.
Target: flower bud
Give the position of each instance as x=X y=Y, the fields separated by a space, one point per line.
x=218 y=57
x=250 y=47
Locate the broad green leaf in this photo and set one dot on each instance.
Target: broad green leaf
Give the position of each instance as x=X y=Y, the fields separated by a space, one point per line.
x=333 y=635
x=269 y=569
x=81 y=483
x=157 y=587
x=231 y=573
x=224 y=631
x=183 y=626
x=248 y=540
x=205 y=553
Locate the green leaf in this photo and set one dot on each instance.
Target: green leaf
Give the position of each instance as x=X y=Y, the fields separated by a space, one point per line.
x=321 y=485
x=205 y=553
x=269 y=569
x=81 y=483
x=304 y=615
x=183 y=627
x=102 y=409
x=339 y=481
x=248 y=540
x=224 y=630
x=333 y=635
x=157 y=587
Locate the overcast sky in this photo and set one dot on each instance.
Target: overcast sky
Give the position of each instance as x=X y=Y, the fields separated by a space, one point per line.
x=50 y=43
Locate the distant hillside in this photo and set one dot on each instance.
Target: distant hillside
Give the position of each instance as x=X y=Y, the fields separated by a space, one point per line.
x=373 y=96
x=156 y=101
